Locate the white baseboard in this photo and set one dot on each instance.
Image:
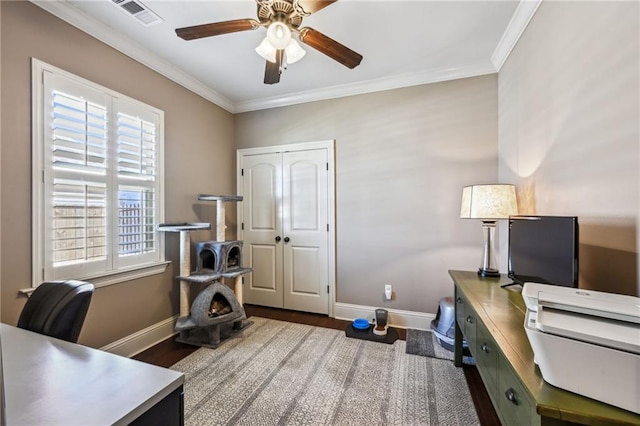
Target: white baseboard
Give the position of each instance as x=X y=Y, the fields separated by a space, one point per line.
x=139 y=341
x=397 y=318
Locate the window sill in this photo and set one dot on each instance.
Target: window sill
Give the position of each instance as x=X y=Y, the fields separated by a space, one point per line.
x=104 y=280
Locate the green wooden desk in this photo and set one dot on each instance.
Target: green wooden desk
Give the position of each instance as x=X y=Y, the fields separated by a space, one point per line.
x=491 y=319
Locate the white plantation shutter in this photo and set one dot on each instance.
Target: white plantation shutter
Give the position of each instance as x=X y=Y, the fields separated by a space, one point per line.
x=99 y=199
x=136 y=221
x=79 y=134
x=136 y=148
x=79 y=222
x=75 y=169
x=137 y=167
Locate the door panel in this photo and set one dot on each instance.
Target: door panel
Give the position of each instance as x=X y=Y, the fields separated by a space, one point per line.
x=263 y=261
x=303 y=179
x=305 y=210
x=264 y=197
x=304 y=269
x=262 y=188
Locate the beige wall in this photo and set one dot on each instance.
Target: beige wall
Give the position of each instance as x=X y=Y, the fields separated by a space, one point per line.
x=402 y=158
x=560 y=121
x=569 y=130
x=200 y=158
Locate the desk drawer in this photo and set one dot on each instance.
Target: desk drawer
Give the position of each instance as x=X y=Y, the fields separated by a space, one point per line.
x=487 y=360
x=466 y=318
x=514 y=405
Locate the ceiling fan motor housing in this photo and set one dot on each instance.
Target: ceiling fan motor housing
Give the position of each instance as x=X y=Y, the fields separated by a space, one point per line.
x=280 y=10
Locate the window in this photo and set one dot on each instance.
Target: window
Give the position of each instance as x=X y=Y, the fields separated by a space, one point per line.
x=97 y=179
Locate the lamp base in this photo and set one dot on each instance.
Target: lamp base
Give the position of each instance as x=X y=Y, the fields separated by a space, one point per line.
x=488 y=272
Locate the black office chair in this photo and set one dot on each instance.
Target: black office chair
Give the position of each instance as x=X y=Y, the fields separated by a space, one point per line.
x=57 y=309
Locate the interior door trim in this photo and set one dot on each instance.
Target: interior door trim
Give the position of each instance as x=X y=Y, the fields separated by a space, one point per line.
x=329 y=145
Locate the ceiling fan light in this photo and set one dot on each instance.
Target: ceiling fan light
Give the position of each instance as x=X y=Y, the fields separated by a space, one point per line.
x=279 y=35
x=267 y=51
x=294 y=52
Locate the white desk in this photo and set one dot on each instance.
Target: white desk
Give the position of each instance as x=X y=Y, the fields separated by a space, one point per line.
x=50 y=382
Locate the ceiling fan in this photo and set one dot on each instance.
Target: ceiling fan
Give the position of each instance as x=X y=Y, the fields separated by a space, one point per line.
x=282 y=18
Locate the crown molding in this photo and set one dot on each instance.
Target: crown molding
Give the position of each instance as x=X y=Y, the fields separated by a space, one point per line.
x=105 y=34
x=519 y=21
x=370 y=86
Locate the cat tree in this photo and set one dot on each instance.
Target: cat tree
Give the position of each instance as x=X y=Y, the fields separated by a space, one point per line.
x=196 y=324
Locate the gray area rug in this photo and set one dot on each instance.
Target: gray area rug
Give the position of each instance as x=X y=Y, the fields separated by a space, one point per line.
x=281 y=373
x=425 y=343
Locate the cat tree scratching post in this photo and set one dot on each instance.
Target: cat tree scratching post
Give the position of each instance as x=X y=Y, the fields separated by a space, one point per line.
x=185 y=258
x=185 y=270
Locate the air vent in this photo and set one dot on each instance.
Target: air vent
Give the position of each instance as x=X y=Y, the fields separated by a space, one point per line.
x=132 y=7
x=139 y=11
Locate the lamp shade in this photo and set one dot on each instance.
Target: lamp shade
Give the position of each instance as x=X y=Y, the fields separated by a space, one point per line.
x=294 y=52
x=279 y=35
x=267 y=51
x=488 y=202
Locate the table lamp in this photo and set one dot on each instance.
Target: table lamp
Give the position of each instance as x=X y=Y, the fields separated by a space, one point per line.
x=488 y=203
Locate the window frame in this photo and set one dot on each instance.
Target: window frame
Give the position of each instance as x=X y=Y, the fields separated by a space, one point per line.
x=117 y=268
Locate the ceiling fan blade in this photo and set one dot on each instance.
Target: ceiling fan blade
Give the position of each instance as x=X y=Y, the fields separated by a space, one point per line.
x=217 y=28
x=311 y=6
x=330 y=47
x=272 y=69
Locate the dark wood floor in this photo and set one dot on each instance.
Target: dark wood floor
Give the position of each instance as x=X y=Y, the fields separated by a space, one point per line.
x=168 y=352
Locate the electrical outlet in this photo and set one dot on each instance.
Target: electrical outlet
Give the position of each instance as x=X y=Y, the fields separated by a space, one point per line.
x=388 y=292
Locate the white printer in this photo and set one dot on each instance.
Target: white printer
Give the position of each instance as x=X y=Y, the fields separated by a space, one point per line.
x=585 y=341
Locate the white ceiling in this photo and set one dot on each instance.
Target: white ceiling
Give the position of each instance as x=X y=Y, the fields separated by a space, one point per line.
x=403 y=43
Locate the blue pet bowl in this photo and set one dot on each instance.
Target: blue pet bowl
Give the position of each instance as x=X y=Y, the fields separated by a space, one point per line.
x=360 y=324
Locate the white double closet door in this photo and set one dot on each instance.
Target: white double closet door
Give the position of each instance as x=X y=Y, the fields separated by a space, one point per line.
x=285 y=224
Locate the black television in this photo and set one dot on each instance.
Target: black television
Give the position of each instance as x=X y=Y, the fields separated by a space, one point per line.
x=544 y=249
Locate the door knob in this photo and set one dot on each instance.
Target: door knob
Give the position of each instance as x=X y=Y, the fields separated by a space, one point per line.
x=278 y=239
x=286 y=239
